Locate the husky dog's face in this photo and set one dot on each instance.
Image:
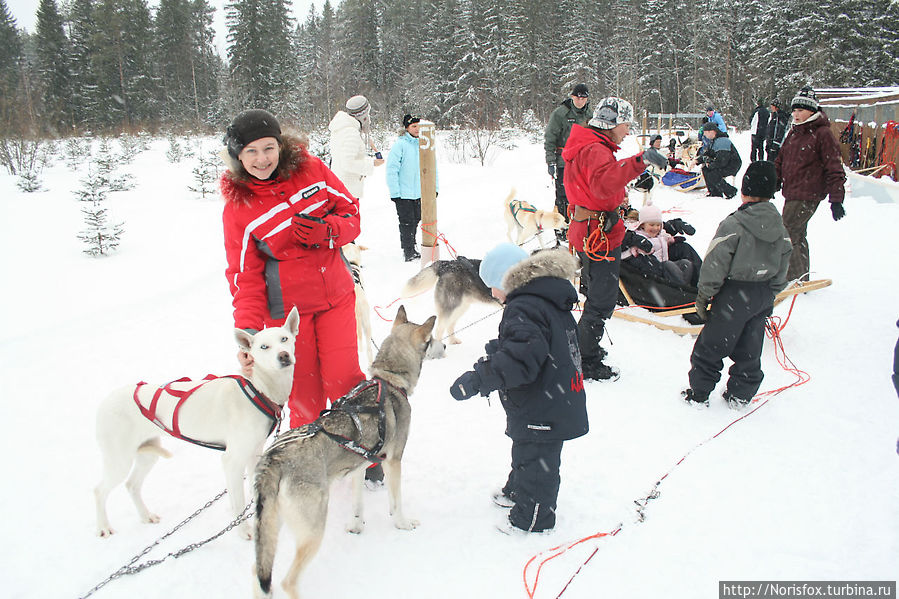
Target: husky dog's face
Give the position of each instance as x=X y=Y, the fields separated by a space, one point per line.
x=272 y=348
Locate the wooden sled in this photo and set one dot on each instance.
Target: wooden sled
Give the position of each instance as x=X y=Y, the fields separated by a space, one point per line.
x=685 y=329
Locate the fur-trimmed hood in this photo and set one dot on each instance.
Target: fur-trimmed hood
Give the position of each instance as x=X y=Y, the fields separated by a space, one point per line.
x=545 y=263
x=237 y=185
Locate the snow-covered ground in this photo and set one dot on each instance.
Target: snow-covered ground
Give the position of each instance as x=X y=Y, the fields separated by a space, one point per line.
x=803 y=488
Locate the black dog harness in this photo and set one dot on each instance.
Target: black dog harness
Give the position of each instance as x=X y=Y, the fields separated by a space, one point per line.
x=260 y=401
x=344 y=405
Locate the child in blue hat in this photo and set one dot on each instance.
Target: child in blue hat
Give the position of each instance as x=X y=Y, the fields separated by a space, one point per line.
x=535 y=365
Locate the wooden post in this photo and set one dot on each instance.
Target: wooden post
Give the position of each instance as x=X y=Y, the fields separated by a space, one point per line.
x=427 y=164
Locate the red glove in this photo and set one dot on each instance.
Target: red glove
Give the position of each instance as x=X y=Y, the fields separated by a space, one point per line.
x=311 y=231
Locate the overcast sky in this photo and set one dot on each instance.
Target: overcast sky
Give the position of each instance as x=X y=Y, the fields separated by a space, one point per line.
x=24 y=13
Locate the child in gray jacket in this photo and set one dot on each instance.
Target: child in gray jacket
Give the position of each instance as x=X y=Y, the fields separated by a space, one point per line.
x=745 y=267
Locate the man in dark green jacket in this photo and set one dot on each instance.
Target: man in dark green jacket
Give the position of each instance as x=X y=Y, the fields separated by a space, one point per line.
x=575 y=109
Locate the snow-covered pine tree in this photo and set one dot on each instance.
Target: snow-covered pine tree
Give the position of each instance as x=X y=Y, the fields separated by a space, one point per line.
x=205 y=173
x=107 y=164
x=74 y=149
x=99 y=235
x=82 y=40
x=175 y=153
x=10 y=62
x=52 y=50
x=122 y=69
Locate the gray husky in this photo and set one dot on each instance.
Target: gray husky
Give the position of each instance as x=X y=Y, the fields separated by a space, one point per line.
x=369 y=424
x=457 y=285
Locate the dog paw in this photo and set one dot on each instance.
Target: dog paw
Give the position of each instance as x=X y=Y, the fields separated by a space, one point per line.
x=152 y=519
x=105 y=532
x=355 y=526
x=405 y=523
x=455 y=340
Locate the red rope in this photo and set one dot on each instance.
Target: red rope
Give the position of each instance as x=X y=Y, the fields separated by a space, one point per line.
x=438 y=238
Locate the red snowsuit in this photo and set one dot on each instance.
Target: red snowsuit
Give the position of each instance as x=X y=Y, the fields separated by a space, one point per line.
x=269 y=272
x=596 y=181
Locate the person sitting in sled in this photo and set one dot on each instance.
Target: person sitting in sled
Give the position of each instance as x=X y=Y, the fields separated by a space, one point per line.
x=650 y=242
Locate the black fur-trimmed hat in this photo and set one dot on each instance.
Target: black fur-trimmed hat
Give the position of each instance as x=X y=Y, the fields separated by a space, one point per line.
x=760 y=180
x=408 y=119
x=805 y=99
x=247 y=127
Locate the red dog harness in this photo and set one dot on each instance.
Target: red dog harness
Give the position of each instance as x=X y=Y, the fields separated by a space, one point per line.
x=262 y=403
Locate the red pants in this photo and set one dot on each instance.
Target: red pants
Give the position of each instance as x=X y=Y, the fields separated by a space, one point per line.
x=327 y=360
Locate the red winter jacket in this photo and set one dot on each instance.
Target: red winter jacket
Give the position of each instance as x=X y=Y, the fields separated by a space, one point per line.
x=809 y=164
x=595 y=180
x=268 y=270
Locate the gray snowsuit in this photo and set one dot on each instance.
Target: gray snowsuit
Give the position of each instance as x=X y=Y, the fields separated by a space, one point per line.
x=745 y=267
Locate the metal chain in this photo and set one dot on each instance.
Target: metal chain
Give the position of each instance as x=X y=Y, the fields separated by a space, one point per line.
x=130 y=568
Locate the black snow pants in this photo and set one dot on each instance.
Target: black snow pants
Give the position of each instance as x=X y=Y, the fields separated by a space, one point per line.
x=735 y=330
x=534 y=484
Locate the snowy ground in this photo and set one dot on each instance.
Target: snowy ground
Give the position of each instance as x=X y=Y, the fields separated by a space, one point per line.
x=804 y=488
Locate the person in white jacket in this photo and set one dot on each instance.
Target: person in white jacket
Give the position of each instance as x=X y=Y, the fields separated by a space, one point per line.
x=350 y=144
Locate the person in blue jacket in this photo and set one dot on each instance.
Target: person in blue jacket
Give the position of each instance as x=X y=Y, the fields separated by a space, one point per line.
x=715 y=117
x=535 y=364
x=404 y=183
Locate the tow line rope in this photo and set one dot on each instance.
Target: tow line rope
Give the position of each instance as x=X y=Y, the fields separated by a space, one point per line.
x=774 y=327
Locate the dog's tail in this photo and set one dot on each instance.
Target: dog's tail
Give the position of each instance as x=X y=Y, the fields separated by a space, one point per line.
x=153 y=446
x=268 y=481
x=424 y=280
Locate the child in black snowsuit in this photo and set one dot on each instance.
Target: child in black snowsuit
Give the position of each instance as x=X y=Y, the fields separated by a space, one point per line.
x=535 y=364
x=745 y=267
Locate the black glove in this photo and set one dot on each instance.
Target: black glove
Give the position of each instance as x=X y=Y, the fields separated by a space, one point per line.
x=611 y=217
x=551 y=169
x=632 y=239
x=702 y=308
x=678 y=225
x=466 y=386
x=644 y=181
x=311 y=231
x=837 y=210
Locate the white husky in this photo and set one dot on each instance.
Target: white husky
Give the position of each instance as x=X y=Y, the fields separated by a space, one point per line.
x=224 y=413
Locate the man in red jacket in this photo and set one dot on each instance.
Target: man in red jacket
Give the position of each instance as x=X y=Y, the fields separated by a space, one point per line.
x=809 y=168
x=595 y=185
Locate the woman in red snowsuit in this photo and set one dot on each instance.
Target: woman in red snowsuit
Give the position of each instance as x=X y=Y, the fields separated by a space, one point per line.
x=286 y=216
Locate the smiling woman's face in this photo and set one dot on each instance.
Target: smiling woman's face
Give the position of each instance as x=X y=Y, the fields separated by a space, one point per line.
x=260 y=158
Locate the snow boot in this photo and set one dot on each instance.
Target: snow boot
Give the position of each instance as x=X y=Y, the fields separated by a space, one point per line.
x=597 y=371
x=695 y=399
x=734 y=402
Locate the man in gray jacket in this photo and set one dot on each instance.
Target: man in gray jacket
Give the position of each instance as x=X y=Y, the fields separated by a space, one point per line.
x=745 y=267
x=575 y=109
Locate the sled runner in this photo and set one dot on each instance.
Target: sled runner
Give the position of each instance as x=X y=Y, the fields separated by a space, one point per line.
x=665 y=299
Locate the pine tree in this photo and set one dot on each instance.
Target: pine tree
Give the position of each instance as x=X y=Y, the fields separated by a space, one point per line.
x=260 y=53
x=52 y=49
x=10 y=68
x=121 y=64
x=205 y=173
x=99 y=236
x=85 y=103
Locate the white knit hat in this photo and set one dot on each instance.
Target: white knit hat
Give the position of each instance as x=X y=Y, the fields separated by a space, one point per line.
x=357 y=106
x=649 y=214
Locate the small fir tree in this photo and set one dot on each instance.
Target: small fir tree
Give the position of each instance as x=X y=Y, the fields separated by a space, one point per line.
x=107 y=163
x=206 y=173
x=175 y=153
x=99 y=236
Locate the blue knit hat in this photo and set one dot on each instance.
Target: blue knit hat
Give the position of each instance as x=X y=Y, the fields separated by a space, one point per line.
x=498 y=261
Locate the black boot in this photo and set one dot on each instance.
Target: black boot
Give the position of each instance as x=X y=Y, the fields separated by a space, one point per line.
x=407 y=242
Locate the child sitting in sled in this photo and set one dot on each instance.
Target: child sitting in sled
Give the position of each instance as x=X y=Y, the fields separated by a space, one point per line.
x=654 y=246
